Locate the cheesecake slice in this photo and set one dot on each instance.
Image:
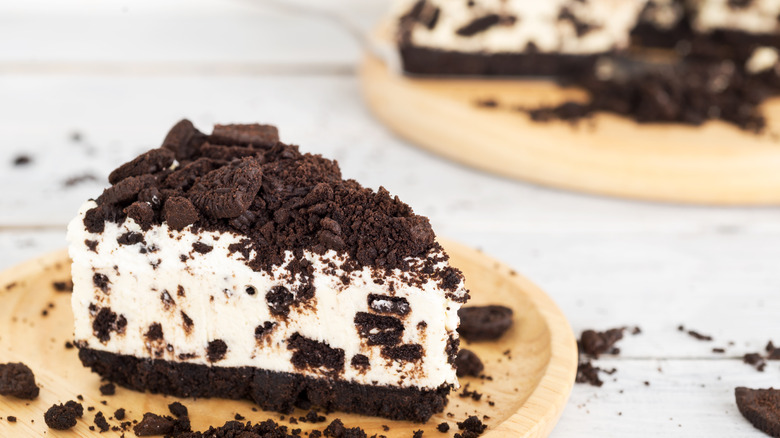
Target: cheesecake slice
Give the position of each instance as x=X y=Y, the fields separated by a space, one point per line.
x=511 y=37
x=232 y=265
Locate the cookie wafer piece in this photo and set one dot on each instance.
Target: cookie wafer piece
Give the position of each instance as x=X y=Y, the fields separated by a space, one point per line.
x=484 y=323
x=761 y=407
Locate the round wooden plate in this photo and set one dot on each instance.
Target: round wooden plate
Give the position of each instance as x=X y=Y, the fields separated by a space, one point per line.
x=714 y=164
x=532 y=366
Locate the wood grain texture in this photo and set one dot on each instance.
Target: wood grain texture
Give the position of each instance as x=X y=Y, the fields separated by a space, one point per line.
x=715 y=164
x=605 y=261
x=531 y=383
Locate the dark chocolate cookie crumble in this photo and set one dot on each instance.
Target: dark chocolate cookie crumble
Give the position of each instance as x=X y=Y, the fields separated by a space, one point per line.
x=484 y=323
x=468 y=364
x=241 y=179
x=17 y=380
x=471 y=427
x=63 y=416
x=108 y=389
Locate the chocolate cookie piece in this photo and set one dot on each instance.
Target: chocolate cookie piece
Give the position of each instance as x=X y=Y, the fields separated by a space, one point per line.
x=142 y=213
x=63 y=416
x=484 y=323
x=594 y=343
x=772 y=352
x=153 y=161
x=153 y=424
x=216 y=350
x=22 y=160
x=756 y=360
x=472 y=425
x=228 y=153
x=468 y=364
x=478 y=25
x=108 y=389
x=63 y=286
x=101 y=423
x=403 y=353
x=179 y=212
x=184 y=140
x=184 y=177
x=336 y=429
x=125 y=190
x=313 y=354
x=387 y=304
x=178 y=410
x=378 y=329
x=587 y=373
x=17 y=380
x=761 y=407
x=229 y=191
x=249 y=135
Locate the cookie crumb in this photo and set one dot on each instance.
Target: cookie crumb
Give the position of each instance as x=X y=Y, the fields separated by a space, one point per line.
x=101 y=423
x=17 y=380
x=63 y=416
x=22 y=160
x=108 y=389
x=178 y=410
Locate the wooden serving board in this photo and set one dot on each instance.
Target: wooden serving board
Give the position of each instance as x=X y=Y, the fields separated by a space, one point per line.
x=716 y=163
x=529 y=390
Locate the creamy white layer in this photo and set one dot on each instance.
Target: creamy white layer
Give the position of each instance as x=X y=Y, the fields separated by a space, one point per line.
x=663 y=14
x=759 y=17
x=537 y=22
x=214 y=287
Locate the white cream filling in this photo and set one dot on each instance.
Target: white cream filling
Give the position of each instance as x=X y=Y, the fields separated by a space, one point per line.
x=216 y=300
x=762 y=59
x=663 y=14
x=537 y=22
x=760 y=17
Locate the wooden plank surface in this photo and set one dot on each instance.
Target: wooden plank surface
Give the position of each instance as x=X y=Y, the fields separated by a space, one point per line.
x=605 y=262
x=175 y=35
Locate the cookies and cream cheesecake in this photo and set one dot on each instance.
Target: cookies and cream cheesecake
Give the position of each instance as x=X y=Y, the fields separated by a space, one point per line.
x=511 y=37
x=232 y=265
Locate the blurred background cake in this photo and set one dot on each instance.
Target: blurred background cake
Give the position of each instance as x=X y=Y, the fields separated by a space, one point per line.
x=516 y=37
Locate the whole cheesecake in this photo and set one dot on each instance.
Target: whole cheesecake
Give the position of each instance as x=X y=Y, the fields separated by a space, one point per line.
x=232 y=265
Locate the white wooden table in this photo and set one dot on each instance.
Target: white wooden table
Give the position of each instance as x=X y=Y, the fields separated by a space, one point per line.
x=118 y=74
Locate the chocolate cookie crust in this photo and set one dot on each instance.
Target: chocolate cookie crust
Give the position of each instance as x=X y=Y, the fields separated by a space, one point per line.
x=273 y=391
x=241 y=179
x=427 y=61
